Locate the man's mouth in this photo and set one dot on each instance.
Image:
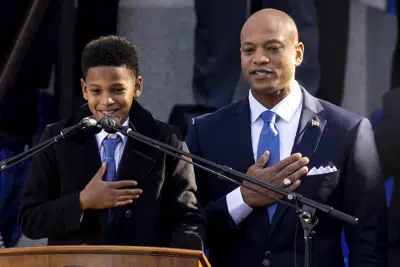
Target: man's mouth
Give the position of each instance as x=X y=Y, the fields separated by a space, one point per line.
x=261 y=73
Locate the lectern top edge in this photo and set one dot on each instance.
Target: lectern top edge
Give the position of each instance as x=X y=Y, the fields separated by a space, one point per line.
x=100 y=250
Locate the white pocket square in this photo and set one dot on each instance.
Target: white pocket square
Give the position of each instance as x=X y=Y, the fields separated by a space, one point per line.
x=321 y=170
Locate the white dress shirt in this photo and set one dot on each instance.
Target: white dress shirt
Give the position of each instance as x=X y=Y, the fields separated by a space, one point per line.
x=288 y=110
x=120 y=146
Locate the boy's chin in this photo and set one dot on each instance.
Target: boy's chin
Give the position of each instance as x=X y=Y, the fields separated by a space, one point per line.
x=121 y=118
x=99 y=115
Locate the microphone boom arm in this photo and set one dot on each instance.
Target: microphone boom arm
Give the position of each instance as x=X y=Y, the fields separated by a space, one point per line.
x=291 y=196
x=8 y=163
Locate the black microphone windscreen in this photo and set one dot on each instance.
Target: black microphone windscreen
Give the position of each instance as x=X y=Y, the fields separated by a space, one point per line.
x=112 y=121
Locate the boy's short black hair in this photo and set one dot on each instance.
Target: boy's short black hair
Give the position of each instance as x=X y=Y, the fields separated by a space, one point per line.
x=110 y=50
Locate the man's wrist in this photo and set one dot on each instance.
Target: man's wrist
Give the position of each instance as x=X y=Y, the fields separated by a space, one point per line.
x=237 y=208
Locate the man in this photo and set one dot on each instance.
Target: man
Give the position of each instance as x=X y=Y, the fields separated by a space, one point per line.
x=281 y=117
x=106 y=188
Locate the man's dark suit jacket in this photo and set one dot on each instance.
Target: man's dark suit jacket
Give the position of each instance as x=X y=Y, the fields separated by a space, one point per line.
x=336 y=138
x=165 y=215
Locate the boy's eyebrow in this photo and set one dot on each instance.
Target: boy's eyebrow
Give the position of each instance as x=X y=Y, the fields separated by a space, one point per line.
x=93 y=84
x=113 y=84
x=119 y=84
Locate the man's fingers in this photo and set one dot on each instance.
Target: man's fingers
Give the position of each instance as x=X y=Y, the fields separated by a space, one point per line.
x=293 y=168
x=262 y=160
x=124 y=183
x=299 y=173
x=129 y=192
x=285 y=162
x=294 y=186
x=294 y=178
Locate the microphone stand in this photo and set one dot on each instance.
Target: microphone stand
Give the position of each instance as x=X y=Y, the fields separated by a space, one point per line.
x=86 y=122
x=305 y=214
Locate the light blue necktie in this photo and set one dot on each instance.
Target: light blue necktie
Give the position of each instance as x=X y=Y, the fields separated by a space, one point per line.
x=269 y=140
x=110 y=144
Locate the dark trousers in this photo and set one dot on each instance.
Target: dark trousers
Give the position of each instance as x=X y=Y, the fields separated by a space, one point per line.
x=217 y=43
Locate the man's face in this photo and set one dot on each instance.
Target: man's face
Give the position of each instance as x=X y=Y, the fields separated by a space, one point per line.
x=110 y=91
x=269 y=55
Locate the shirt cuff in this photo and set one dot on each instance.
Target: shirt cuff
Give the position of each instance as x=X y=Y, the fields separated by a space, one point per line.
x=237 y=208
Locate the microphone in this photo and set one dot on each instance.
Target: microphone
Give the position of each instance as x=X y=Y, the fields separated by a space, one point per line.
x=90 y=125
x=85 y=123
x=89 y=121
x=109 y=121
x=220 y=172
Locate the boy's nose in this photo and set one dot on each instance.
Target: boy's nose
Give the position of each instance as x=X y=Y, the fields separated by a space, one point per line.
x=107 y=100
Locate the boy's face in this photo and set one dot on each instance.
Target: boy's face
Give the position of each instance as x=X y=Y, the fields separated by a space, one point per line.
x=110 y=91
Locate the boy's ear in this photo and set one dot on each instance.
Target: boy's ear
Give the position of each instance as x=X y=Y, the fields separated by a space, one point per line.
x=138 y=87
x=84 y=89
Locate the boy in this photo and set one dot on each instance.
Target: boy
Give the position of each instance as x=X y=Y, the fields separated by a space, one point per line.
x=139 y=196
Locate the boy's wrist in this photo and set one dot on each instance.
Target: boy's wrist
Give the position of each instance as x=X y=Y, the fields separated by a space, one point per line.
x=83 y=201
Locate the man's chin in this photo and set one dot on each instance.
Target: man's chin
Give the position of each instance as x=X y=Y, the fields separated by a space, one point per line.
x=265 y=89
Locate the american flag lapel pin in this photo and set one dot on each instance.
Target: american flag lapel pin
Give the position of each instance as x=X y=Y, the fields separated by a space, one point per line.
x=315 y=123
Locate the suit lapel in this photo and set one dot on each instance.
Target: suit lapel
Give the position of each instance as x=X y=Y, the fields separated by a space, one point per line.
x=81 y=151
x=242 y=154
x=138 y=159
x=134 y=165
x=91 y=151
x=309 y=132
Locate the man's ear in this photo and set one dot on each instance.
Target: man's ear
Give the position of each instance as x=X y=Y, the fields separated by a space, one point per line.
x=84 y=89
x=138 y=87
x=299 y=54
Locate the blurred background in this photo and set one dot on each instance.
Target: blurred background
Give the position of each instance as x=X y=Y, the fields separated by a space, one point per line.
x=41 y=42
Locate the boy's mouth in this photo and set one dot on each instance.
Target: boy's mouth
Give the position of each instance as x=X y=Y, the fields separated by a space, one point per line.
x=109 y=113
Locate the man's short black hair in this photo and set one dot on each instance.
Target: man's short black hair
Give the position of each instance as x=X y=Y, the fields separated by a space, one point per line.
x=112 y=51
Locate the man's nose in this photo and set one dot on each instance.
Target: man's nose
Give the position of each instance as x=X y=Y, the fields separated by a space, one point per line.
x=260 y=57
